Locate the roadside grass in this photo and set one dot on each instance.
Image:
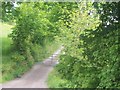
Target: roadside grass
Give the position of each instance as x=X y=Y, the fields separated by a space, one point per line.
x=15 y=65
x=54 y=80
x=5 y=29
x=10 y=67
x=5 y=47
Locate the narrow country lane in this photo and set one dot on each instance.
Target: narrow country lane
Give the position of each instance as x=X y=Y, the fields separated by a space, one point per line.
x=37 y=76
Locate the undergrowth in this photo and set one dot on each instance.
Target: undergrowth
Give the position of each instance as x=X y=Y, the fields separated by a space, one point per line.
x=14 y=63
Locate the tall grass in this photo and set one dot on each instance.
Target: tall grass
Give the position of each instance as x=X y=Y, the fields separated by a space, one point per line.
x=5 y=46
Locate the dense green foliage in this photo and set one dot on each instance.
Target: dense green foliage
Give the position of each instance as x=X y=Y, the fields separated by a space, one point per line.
x=13 y=63
x=90 y=35
x=91 y=57
x=36 y=24
x=32 y=41
x=8 y=11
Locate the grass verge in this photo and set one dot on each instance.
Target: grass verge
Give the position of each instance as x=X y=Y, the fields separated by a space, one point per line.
x=5 y=46
x=54 y=80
